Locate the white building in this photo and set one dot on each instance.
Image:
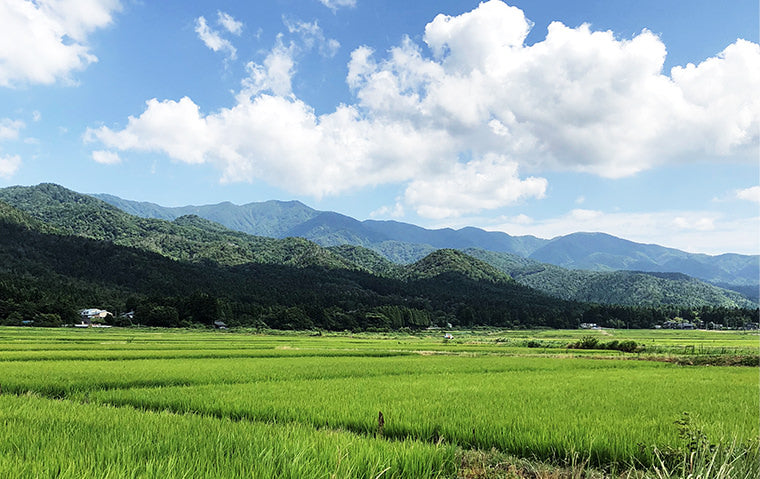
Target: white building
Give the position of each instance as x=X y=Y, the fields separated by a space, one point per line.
x=93 y=314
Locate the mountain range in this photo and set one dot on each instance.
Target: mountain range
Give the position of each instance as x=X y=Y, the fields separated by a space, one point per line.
x=65 y=247
x=61 y=251
x=405 y=243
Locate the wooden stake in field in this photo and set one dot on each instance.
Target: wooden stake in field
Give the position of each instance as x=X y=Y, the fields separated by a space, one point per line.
x=380 y=423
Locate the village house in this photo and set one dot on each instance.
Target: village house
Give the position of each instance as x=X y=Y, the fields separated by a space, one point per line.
x=91 y=315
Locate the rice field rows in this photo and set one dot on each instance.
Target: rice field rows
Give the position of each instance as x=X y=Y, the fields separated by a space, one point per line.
x=549 y=408
x=41 y=438
x=130 y=403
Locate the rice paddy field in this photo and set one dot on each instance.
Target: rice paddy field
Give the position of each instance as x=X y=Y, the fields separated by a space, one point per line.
x=116 y=403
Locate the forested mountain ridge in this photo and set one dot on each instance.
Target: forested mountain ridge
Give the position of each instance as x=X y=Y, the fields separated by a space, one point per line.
x=603 y=252
x=400 y=242
x=46 y=277
x=195 y=239
x=633 y=288
x=66 y=251
x=407 y=243
x=269 y=218
x=188 y=238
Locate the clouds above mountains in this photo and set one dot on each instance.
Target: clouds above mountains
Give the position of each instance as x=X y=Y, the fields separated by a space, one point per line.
x=46 y=40
x=458 y=119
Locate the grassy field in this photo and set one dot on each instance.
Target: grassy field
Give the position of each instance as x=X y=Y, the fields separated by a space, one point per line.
x=165 y=403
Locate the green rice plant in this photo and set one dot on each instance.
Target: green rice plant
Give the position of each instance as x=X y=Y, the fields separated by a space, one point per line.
x=547 y=408
x=318 y=399
x=43 y=438
x=698 y=457
x=60 y=378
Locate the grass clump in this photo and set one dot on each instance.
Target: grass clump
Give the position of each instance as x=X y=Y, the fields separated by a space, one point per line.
x=592 y=342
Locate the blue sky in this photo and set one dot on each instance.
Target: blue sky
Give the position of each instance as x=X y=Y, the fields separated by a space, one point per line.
x=639 y=119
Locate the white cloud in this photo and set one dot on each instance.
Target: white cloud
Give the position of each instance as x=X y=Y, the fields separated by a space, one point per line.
x=9 y=129
x=9 y=165
x=229 y=23
x=312 y=35
x=584 y=215
x=106 y=157
x=213 y=40
x=275 y=75
x=456 y=125
x=280 y=140
x=579 y=99
x=396 y=211
x=36 y=116
x=487 y=183
x=45 y=41
x=335 y=4
x=696 y=224
x=750 y=194
x=470 y=41
x=174 y=128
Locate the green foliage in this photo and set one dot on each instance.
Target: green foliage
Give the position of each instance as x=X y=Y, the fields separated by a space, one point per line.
x=448 y=261
x=629 y=288
x=603 y=252
x=699 y=457
x=188 y=238
x=368 y=260
x=89 y=440
x=592 y=342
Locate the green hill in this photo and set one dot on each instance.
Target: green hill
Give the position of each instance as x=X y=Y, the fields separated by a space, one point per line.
x=188 y=237
x=448 y=261
x=632 y=288
x=367 y=260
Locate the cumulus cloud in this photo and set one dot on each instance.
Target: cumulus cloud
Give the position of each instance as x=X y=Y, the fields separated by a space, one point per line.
x=750 y=194
x=173 y=128
x=579 y=99
x=45 y=41
x=213 y=39
x=280 y=140
x=274 y=75
x=457 y=118
x=9 y=165
x=486 y=183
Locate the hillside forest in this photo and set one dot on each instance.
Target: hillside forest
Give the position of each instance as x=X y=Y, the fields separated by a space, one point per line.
x=61 y=251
